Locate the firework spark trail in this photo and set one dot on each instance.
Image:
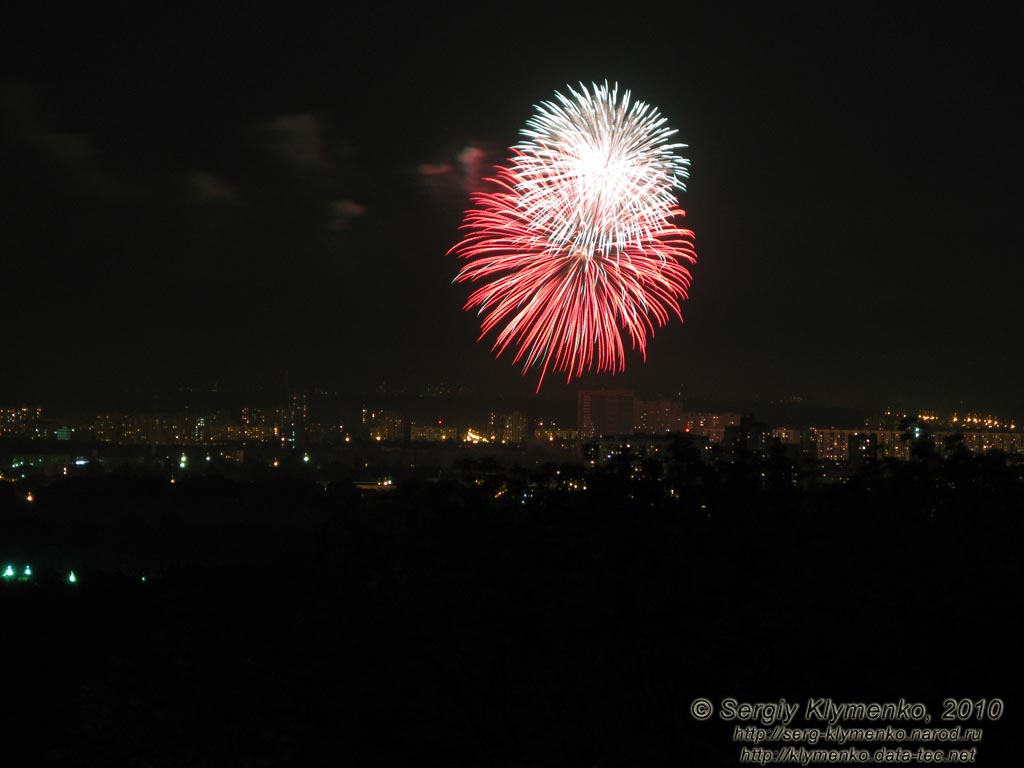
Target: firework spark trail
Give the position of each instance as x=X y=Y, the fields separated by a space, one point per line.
x=574 y=245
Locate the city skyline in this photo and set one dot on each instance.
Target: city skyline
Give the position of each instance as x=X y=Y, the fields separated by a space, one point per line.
x=462 y=404
x=321 y=417
x=189 y=205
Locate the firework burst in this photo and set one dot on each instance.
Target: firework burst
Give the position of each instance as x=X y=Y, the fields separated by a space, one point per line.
x=574 y=245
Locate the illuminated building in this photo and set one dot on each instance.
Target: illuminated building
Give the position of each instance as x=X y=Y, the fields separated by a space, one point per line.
x=295 y=417
x=507 y=428
x=64 y=433
x=389 y=425
x=748 y=435
x=787 y=435
x=709 y=425
x=257 y=424
x=115 y=428
x=846 y=444
x=891 y=445
x=658 y=417
x=549 y=431
x=21 y=420
x=601 y=413
x=982 y=441
x=433 y=433
x=833 y=444
x=862 y=448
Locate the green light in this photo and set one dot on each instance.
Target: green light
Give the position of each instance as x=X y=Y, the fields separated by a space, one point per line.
x=72 y=578
x=9 y=571
x=28 y=570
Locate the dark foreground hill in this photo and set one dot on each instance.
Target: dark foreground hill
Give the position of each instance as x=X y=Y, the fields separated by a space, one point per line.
x=282 y=622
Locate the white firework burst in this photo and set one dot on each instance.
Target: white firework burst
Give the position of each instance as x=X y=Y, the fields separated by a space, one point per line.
x=596 y=173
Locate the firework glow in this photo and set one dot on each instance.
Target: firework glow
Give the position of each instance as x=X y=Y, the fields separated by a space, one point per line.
x=574 y=245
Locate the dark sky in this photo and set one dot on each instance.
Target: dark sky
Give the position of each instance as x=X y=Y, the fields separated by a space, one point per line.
x=197 y=197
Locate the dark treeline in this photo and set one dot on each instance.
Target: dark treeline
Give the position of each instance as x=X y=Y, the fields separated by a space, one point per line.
x=489 y=616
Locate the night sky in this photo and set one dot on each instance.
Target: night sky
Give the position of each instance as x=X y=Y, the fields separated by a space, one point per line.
x=194 y=198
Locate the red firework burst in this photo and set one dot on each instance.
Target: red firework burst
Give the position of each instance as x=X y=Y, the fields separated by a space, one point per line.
x=575 y=244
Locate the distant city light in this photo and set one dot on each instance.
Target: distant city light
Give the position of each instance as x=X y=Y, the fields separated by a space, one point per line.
x=9 y=571
x=475 y=437
x=72 y=579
